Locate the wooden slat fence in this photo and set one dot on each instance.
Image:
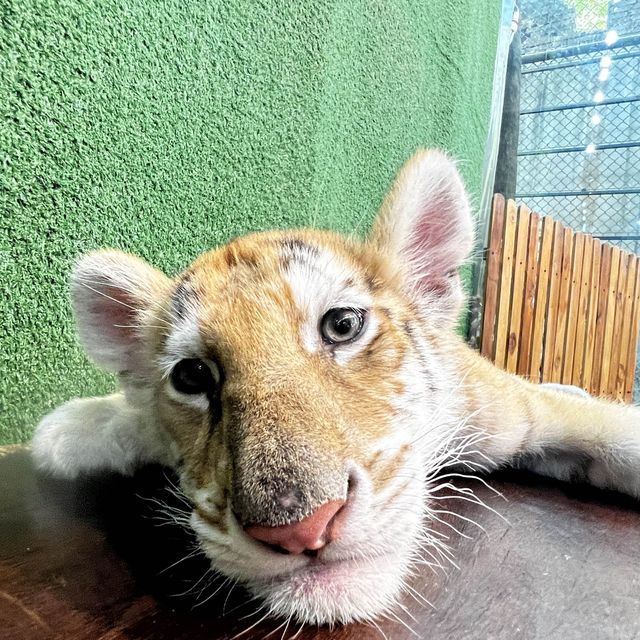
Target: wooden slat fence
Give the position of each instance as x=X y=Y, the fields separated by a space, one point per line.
x=560 y=306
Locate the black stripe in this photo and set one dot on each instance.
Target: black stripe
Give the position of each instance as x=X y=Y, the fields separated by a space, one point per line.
x=184 y=294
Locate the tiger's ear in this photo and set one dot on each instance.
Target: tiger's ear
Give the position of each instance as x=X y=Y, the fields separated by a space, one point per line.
x=113 y=294
x=425 y=228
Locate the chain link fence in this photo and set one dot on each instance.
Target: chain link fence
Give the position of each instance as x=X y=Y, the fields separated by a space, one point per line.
x=578 y=155
x=579 y=144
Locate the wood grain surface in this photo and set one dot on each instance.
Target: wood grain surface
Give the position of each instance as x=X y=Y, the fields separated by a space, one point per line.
x=559 y=305
x=97 y=559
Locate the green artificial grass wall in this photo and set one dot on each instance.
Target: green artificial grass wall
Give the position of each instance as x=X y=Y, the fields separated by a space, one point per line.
x=167 y=127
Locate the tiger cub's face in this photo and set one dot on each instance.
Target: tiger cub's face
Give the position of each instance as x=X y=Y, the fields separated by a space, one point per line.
x=299 y=379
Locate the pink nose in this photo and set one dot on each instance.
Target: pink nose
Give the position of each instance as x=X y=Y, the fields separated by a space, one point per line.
x=309 y=534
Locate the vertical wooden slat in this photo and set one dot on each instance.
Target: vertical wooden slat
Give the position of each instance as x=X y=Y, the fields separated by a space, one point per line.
x=541 y=299
x=625 y=332
x=574 y=375
x=494 y=264
x=609 y=322
x=531 y=281
x=570 y=256
x=504 y=306
x=601 y=317
x=633 y=341
x=572 y=293
x=616 y=348
x=594 y=301
x=559 y=306
x=555 y=280
x=519 y=273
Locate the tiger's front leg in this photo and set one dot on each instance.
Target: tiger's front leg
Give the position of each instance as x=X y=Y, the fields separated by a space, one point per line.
x=565 y=436
x=98 y=434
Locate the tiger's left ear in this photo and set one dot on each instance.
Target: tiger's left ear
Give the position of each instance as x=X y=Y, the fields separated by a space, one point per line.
x=425 y=228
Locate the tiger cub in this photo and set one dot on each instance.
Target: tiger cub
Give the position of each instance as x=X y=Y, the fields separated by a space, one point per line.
x=307 y=388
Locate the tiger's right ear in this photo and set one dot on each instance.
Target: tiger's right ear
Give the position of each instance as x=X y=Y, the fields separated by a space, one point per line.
x=113 y=295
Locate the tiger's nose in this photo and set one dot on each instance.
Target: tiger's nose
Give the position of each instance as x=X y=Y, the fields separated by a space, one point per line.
x=312 y=533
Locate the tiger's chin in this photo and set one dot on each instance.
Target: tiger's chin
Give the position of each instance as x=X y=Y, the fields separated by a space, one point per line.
x=335 y=592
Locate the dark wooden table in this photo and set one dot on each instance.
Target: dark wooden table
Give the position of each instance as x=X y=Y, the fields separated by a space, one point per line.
x=88 y=559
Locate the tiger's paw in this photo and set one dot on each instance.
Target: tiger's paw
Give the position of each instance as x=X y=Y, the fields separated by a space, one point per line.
x=88 y=435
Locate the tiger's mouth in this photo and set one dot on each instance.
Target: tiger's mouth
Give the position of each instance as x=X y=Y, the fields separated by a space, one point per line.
x=324 y=563
x=326 y=569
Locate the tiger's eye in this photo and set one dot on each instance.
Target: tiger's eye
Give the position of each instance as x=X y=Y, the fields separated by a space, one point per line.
x=193 y=376
x=341 y=325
